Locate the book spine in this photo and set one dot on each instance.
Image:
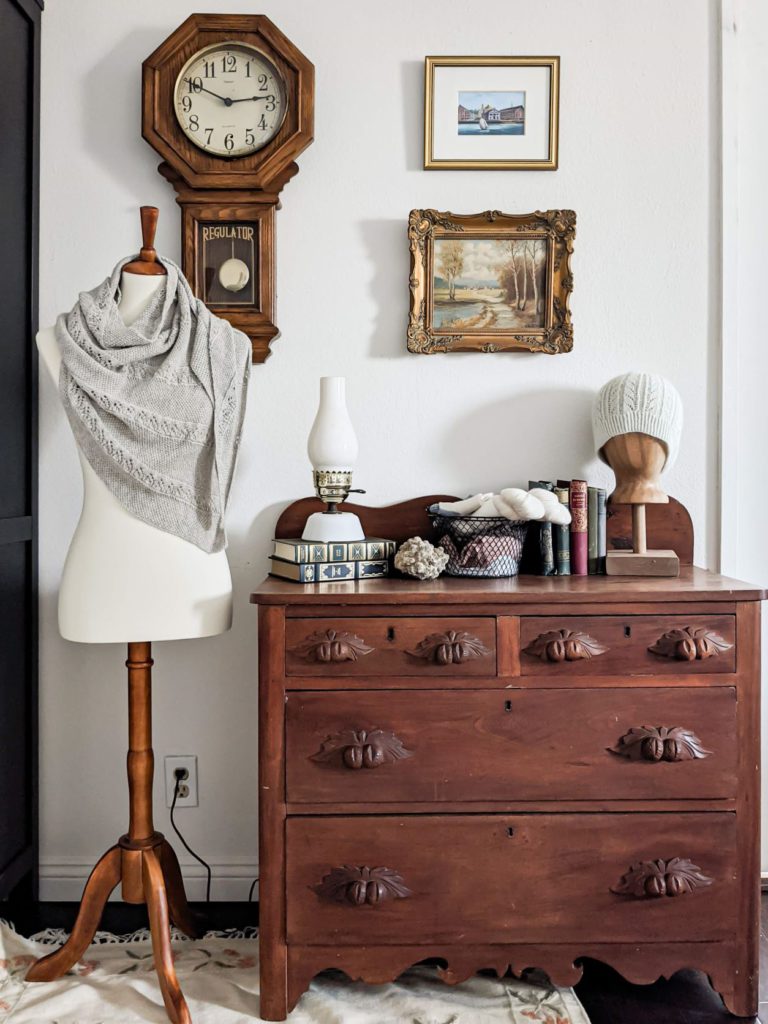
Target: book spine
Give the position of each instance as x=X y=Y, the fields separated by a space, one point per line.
x=602 y=528
x=373 y=549
x=592 y=531
x=578 y=500
x=546 y=560
x=561 y=538
x=328 y=572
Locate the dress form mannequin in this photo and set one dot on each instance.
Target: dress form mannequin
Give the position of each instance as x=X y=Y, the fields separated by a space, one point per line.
x=124 y=579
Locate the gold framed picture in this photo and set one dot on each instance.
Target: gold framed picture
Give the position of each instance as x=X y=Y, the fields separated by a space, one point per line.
x=490 y=282
x=491 y=113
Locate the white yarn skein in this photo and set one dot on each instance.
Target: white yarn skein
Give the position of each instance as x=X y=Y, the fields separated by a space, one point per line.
x=520 y=504
x=554 y=510
x=465 y=507
x=488 y=510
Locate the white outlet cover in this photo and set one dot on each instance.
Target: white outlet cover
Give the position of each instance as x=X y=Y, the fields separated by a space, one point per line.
x=172 y=762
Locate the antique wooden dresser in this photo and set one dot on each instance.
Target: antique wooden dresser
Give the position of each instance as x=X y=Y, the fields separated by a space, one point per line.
x=508 y=774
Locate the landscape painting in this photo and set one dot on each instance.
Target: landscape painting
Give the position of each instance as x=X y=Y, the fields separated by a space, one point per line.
x=486 y=114
x=489 y=284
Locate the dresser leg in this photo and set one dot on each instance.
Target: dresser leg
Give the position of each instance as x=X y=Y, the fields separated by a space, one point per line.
x=274 y=984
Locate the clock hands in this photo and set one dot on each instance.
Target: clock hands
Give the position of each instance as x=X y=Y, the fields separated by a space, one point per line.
x=227 y=100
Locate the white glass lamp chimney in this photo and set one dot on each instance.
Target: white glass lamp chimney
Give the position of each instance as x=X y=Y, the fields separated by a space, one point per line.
x=332 y=441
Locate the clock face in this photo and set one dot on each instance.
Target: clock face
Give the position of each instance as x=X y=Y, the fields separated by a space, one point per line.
x=230 y=100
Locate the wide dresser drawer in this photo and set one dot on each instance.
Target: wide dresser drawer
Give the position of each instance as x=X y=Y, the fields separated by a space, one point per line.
x=565 y=646
x=446 y=646
x=506 y=878
x=525 y=744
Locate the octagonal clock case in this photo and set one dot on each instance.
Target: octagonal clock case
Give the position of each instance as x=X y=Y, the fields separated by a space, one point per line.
x=228 y=103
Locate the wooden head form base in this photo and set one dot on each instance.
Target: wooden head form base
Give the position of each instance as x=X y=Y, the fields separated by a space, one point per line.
x=147 y=263
x=637 y=461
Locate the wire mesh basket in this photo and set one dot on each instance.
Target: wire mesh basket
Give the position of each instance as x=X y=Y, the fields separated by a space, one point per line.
x=479 y=546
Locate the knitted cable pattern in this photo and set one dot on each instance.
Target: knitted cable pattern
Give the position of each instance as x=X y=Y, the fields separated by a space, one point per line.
x=157 y=408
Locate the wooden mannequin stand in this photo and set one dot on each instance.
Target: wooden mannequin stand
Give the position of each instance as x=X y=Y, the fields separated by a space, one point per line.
x=637 y=461
x=143 y=861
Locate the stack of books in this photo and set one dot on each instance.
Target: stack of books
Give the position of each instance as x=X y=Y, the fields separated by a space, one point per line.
x=575 y=550
x=313 y=562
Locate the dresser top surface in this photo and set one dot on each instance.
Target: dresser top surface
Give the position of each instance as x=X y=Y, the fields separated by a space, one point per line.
x=693 y=584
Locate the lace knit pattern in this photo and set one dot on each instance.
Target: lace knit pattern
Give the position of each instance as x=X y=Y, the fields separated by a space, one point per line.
x=642 y=403
x=157 y=408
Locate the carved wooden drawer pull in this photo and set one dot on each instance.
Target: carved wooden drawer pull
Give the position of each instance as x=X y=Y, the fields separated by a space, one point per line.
x=564 y=645
x=359 y=886
x=331 y=646
x=362 y=749
x=660 y=743
x=648 y=879
x=690 y=643
x=450 y=648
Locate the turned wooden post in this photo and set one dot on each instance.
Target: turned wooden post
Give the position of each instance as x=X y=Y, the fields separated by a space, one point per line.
x=141 y=759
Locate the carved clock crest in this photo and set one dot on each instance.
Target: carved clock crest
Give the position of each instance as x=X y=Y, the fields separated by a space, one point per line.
x=228 y=103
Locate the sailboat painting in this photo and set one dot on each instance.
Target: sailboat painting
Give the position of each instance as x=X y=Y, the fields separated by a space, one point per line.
x=491 y=113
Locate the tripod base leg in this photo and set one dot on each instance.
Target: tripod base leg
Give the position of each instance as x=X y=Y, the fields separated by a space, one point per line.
x=182 y=915
x=103 y=879
x=159 y=923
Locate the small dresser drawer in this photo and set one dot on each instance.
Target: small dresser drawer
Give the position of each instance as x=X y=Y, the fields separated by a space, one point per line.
x=633 y=645
x=512 y=878
x=393 y=746
x=391 y=647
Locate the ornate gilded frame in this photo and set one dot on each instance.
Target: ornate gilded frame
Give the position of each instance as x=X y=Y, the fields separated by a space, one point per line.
x=557 y=227
x=548 y=164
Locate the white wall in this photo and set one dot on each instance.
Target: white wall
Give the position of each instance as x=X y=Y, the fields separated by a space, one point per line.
x=744 y=408
x=639 y=163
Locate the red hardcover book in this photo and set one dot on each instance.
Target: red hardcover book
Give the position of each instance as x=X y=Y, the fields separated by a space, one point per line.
x=578 y=527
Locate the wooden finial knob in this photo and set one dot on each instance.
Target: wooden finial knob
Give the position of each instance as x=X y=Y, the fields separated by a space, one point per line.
x=147 y=261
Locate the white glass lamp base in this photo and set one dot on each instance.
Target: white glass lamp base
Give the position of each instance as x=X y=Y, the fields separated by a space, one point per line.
x=333 y=526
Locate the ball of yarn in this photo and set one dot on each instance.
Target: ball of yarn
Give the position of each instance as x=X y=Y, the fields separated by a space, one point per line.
x=520 y=504
x=554 y=510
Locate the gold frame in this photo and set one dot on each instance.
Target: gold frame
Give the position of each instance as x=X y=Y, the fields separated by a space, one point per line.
x=550 y=164
x=556 y=227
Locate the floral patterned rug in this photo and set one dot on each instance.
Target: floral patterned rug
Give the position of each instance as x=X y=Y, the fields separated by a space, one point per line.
x=115 y=984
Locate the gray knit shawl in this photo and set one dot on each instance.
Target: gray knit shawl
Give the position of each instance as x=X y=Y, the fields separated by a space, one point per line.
x=157 y=408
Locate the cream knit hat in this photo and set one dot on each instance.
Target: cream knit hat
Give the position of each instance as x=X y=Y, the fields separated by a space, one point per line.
x=643 y=403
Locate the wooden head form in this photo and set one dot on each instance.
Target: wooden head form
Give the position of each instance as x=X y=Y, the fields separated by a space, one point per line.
x=637 y=461
x=147 y=262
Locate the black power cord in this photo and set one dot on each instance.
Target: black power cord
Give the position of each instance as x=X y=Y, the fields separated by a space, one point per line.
x=253 y=886
x=177 y=786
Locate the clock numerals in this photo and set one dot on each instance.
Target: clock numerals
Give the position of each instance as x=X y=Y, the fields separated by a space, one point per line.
x=195 y=84
x=209 y=69
x=262 y=82
x=186 y=104
x=194 y=123
x=229 y=63
x=208 y=136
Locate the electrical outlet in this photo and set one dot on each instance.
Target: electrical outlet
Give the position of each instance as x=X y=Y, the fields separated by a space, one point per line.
x=188 y=789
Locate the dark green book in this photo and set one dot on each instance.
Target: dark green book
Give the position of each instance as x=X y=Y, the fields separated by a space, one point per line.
x=561 y=535
x=545 y=540
x=592 y=563
x=602 y=528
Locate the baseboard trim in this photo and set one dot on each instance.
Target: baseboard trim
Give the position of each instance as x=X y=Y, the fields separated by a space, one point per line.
x=62 y=881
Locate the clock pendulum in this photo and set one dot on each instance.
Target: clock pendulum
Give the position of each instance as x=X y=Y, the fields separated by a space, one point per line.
x=228 y=103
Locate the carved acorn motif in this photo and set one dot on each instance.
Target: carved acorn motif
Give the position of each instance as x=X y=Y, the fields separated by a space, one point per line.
x=450 y=648
x=660 y=743
x=360 y=748
x=559 y=645
x=331 y=646
x=362 y=885
x=650 y=879
x=690 y=643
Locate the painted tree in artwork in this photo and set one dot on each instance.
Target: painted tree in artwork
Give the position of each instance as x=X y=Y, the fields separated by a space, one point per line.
x=450 y=264
x=521 y=263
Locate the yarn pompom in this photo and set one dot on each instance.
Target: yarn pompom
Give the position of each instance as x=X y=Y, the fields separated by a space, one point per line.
x=419 y=558
x=521 y=505
x=554 y=510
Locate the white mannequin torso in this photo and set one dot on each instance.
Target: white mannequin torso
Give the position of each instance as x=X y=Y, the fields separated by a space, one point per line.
x=123 y=580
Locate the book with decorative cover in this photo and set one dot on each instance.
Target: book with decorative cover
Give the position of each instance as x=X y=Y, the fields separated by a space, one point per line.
x=602 y=528
x=371 y=549
x=561 y=535
x=592 y=531
x=546 y=551
x=578 y=527
x=328 y=572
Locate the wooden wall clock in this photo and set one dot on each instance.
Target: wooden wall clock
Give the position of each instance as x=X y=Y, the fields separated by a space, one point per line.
x=228 y=103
